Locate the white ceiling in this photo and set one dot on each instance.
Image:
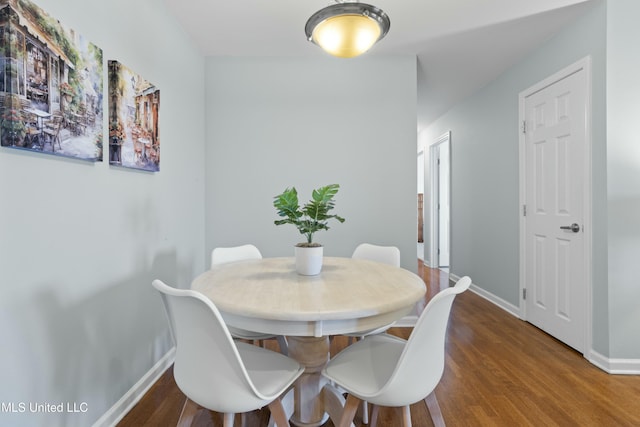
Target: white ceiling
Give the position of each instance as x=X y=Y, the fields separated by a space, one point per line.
x=461 y=45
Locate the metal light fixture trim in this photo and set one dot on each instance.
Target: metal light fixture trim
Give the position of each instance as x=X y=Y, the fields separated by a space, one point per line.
x=350 y=11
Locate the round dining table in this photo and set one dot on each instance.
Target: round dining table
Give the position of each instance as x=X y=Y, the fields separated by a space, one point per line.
x=349 y=295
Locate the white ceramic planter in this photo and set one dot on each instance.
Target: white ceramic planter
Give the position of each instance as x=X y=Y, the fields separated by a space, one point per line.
x=309 y=260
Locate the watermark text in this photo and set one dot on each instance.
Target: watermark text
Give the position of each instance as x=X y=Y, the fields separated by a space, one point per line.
x=43 y=407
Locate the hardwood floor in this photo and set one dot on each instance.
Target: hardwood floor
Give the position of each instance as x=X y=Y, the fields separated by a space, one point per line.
x=500 y=371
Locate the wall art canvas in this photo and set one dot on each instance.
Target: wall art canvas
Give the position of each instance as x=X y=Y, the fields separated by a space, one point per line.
x=51 y=85
x=134 y=104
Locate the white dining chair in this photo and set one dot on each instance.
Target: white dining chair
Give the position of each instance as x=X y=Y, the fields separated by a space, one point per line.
x=387 y=255
x=235 y=253
x=223 y=255
x=388 y=371
x=383 y=254
x=214 y=371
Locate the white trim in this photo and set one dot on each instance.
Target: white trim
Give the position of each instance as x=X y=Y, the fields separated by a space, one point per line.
x=122 y=407
x=583 y=64
x=614 y=366
x=434 y=241
x=505 y=305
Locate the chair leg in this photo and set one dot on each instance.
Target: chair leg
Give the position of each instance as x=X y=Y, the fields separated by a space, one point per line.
x=406 y=416
x=434 y=409
x=288 y=405
x=278 y=413
x=228 y=419
x=374 y=415
x=189 y=410
x=288 y=402
x=350 y=408
x=282 y=343
x=365 y=412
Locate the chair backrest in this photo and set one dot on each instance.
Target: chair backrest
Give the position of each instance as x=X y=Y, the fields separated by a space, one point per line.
x=421 y=364
x=57 y=124
x=384 y=254
x=208 y=368
x=236 y=253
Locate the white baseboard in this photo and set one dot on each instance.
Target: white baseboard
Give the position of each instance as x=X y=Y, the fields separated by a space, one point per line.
x=410 y=321
x=614 y=366
x=505 y=305
x=135 y=393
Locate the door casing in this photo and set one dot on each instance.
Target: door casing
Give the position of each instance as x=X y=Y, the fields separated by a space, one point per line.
x=435 y=199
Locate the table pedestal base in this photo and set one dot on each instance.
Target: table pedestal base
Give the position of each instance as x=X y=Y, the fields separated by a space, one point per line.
x=313 y=354
x=315 y=399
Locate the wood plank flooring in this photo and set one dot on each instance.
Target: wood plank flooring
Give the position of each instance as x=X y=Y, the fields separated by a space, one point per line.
x=500 y=371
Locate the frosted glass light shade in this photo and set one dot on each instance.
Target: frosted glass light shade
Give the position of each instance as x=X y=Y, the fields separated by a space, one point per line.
x=347 y=29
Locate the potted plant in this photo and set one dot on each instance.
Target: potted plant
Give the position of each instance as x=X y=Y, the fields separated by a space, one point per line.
x=67 y=91
x=13 y=127
x=308 y=219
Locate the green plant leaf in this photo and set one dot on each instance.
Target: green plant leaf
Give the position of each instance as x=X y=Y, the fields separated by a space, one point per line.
x=287 y=205
x=313 y=216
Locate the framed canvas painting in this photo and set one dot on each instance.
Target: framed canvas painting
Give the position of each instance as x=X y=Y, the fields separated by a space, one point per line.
x=134 y=105
x=51 y=85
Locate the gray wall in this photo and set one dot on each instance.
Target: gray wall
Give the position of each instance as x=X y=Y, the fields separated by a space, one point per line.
x=623 y=168
x=80 y=242
x=484 y=141
x=279 y=122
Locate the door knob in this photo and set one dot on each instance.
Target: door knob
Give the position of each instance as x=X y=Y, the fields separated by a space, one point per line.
x=573 y=227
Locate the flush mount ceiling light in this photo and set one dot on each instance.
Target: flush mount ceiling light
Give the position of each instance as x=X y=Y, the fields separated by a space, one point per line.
x=347 y=29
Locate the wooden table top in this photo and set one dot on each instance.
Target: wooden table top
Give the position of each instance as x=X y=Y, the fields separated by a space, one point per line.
x=349 y=295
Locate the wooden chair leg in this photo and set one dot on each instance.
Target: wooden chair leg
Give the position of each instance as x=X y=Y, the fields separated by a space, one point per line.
x=434 y=409
x=350 y=408
x=189 y=410
x=278 y=413
x=288 y=405
x=406 y=416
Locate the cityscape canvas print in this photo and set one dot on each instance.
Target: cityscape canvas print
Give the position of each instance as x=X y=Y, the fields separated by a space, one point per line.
x=51 y=85
x=134 y=104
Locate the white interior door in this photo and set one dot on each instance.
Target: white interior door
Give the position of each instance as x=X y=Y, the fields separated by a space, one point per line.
x=555 y=162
